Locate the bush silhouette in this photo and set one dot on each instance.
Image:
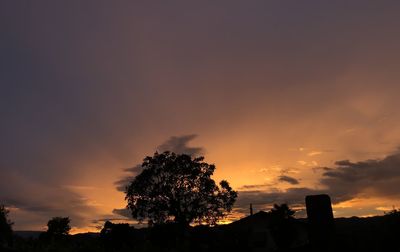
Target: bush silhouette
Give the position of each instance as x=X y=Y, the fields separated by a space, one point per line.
x=117 y=236
x=178 y=188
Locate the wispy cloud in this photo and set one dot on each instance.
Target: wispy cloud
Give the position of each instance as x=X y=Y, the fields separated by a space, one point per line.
x=314 y=153
x=180 y=144
x=288 y=179
x=345 y=181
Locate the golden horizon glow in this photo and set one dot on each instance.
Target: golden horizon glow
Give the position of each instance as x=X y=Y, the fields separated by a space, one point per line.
x=275 y=93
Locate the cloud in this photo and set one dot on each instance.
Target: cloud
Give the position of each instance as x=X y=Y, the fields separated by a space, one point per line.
x=124 y=182
x=35 y=203
x=253 y=187
x=179 y=144
x=314 y=153
x=288 y=179
x=346 y=181
x=302 y=162
x=375 y=177
x=123 y=212
x=311 y=163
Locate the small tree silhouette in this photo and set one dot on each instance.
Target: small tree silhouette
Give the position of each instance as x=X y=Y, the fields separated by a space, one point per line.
x=178 y=188
x=5 y=227
x=58 y=226
x=394 y=212
x=282 y=228
x=282 y=211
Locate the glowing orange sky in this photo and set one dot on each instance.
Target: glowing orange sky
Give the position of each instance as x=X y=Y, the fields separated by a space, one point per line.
x=270 y=89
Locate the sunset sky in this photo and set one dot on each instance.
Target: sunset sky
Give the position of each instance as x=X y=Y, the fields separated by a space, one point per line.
x=286 y=98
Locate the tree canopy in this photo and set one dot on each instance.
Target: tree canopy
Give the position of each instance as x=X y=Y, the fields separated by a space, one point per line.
x=5 y=226
x=58 y=226
x=178 y=188
x=283 y=211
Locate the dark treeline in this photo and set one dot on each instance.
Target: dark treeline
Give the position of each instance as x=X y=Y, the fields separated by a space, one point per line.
x=285 y=233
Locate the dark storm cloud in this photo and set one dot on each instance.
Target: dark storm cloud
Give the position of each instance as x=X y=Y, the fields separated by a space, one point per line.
x=288 y=179
x=369 y=178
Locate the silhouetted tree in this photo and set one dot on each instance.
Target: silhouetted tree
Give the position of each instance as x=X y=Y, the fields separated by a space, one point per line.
x=5 y=227
x=282 y=225
x=178 y=188
x=395 y=212
x=391 y=225
x=282 y=211
x=58 y=226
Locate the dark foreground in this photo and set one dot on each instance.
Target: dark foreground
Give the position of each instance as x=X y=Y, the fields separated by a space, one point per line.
x=255 y=233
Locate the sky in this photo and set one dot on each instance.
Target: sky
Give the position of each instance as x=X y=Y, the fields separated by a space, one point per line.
x=286 y=98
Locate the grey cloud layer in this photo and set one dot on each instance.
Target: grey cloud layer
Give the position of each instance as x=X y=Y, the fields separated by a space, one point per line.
x=375 y=177
x=40 y=202
x=379 y=177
